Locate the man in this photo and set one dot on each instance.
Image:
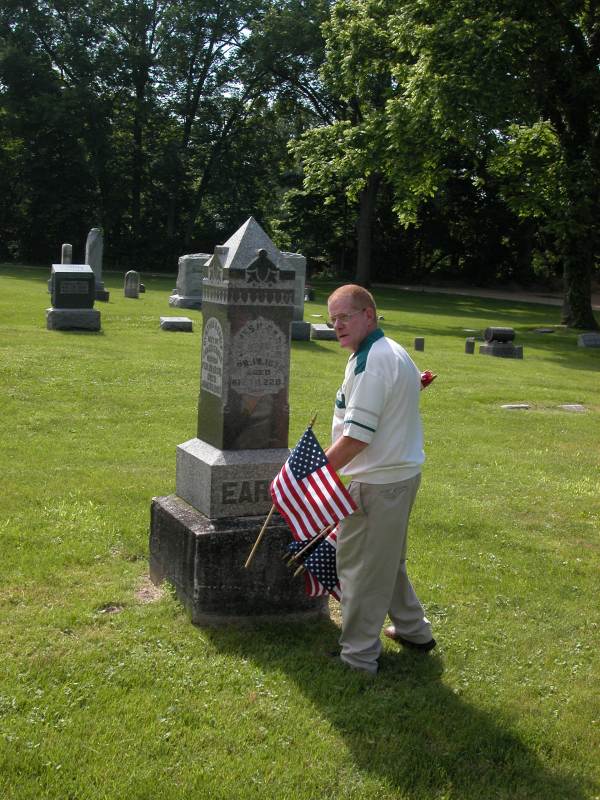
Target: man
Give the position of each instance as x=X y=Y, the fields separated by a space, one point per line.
x=377 y=439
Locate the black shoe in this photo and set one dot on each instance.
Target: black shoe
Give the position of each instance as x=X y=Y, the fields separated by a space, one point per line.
x=422 y=647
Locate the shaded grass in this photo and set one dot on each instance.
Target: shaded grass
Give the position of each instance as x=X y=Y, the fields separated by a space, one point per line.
x=104 y=695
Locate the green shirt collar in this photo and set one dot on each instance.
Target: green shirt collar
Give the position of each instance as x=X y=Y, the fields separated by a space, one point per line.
x=363 y=350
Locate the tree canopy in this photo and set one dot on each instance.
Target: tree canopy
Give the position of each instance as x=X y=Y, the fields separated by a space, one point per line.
x=386 y=140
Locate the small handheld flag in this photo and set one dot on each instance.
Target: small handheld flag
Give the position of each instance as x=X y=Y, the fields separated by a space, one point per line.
x=307 y=491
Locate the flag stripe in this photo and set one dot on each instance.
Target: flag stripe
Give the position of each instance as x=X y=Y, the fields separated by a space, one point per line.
x=312 y=524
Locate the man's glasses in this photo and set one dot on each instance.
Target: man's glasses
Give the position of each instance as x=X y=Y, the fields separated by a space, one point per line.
x=343 y=318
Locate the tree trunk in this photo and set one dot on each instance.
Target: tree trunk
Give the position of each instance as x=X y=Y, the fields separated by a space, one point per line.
x=367 y=202
x=577 y=301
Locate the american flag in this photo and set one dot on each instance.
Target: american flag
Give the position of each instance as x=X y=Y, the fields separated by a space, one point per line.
x=321 y=573
x=307 y=491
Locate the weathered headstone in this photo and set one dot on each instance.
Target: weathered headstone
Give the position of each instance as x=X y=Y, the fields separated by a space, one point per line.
x=176 y=324
x=131 y=286
x=419 y=343
x=188 y=289
x=499 y=342
x=578 y=408
x=73 y=294
x=94 y=250
x=516 y=406
x=588 y=340
x=201 y=536
x=470 y=344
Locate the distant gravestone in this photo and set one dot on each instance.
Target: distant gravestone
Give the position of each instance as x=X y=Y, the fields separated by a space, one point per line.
x=575 y=407
x=188 y=289
x=131 y=287
x=588 y=340
x=516 y=406
x=499 y=343
x=73 y=295
x=66 y=254
x=420 y=343
x=176 y=324
x=142 y=288
x=94 y=250
x=470 y=344
x=322 y=331
x=201 y=536
x=297 y=262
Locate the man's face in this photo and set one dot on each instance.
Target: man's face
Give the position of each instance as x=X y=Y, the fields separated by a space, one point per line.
x=351 y=324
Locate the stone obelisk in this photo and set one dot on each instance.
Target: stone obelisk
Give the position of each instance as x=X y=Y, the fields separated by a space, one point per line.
x=201 y=536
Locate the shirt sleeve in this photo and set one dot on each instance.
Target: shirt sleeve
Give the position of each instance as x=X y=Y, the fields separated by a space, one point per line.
x=364 y=406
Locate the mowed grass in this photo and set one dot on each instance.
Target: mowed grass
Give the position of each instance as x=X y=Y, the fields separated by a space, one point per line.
x=108 y=691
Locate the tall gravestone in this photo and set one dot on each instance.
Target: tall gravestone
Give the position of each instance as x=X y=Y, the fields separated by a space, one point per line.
x=201 y=536
x=188 y=289
x=94 y=250
x=300 y=329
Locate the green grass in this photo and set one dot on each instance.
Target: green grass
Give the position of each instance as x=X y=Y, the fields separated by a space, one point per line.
x=106 y=695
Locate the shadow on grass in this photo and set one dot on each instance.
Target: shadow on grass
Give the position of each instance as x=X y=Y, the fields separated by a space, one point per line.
x=405 y=727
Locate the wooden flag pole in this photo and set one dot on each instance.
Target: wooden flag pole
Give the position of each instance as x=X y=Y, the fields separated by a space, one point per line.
x=262 y=530
x=315 y=539
x=259 y=537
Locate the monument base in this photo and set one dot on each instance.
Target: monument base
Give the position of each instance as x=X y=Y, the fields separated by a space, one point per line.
x=224 y=483
x=102 y=294
x=181 y=301
x=66 y=319
x=501 y=350
x=300 y=331
x=204 y=560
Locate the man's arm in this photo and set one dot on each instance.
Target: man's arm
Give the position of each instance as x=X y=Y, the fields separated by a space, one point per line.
x=343 y=451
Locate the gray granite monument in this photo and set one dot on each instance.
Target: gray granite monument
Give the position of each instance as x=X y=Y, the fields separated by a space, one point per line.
x=188 y=289
x=73 y=294
x=131 y=284
x=200 y=537
x=94 y=249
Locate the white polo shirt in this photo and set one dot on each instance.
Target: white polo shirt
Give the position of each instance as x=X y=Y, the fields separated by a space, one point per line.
x=378 y=403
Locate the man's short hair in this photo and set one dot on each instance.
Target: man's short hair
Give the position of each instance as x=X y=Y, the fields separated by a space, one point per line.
x=359 y=296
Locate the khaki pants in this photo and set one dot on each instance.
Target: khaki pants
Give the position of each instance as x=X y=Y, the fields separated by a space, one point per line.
x=371 y=565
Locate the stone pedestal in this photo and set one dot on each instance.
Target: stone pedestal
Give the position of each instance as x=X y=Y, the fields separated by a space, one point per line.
x=501 y=350
x=224 y=483
x=66 y=319
x=204 y=560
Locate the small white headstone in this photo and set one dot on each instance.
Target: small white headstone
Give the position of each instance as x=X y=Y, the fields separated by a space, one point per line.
x=176 y=324
x=513 y=406
x=576 y=407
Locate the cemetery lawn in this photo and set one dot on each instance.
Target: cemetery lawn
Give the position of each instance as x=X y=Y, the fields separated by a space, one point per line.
x=108 y=692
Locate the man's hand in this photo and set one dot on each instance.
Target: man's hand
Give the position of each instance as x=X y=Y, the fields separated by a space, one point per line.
x=343 y=451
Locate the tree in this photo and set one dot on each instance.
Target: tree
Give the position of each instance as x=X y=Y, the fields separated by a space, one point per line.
x=487 y=75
